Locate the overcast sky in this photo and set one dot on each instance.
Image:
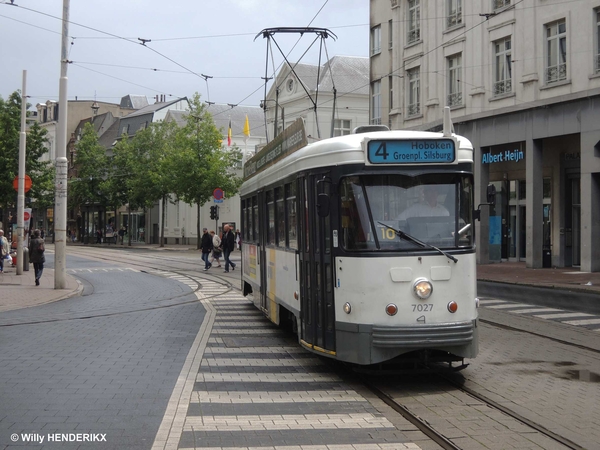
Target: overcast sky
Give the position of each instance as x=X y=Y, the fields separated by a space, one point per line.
x=215 y=38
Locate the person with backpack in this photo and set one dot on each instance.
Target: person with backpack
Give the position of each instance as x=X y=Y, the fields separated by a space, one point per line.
x=4 y=250
x=36 y=255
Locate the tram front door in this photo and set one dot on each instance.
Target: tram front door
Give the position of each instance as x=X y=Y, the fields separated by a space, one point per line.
x=316 y=270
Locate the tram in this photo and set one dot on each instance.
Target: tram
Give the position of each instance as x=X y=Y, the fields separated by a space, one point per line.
x=364 y=243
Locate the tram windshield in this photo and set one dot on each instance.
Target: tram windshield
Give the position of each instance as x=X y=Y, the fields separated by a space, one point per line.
x=435 y=209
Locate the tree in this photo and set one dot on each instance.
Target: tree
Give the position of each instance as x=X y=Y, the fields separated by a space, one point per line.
x=41 y=172
x=201 y=164
x=91 y=164
x=151 y=153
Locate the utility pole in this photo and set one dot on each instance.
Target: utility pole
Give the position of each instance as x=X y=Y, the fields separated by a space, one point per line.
x=21 y=183
x=60 y=193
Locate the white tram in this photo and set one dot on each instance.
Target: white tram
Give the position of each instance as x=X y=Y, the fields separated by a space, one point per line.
x=364 y=243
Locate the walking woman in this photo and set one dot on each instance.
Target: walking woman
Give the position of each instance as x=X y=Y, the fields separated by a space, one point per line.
x=36 y=255
x=216 y=254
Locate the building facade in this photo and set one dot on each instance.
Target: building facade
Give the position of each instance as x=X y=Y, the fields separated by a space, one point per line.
x=289 y=97
x=522 y=80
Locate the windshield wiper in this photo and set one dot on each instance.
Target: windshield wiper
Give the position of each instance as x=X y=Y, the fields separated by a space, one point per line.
x=408 y=237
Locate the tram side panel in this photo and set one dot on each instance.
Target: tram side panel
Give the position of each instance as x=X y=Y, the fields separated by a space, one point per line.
x=368 y=334
x=281 y=276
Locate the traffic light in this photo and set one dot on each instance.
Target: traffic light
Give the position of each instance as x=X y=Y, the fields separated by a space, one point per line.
x=214 y=212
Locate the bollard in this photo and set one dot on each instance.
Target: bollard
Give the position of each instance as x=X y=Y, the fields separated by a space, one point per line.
x=25 y=259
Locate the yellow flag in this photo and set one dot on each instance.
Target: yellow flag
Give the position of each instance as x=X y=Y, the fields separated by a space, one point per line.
x=246 y=128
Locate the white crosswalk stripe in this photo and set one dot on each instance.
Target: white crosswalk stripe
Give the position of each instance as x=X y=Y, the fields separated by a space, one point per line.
x=268 y=377
x=277 y=397
x=541 y=312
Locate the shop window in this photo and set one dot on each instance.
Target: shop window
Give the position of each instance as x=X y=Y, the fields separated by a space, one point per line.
x=547 y=188
x=522 y=190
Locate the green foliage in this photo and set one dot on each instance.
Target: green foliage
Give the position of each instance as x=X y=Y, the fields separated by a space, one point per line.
x=202 y=163
x=90 y=184
x=41 y=172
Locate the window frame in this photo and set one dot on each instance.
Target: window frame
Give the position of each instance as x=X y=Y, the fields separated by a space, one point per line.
x=413 y=33
x=376 y=102
x=557 y=44
x=597 y=52
x=339 y=128
x=413 y=108
x=376 y=40
x=454 y=97
x=454 y=10
x=502 y=85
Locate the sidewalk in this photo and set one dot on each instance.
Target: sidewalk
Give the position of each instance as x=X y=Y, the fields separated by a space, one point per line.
x=566 y=278
x=20 y=291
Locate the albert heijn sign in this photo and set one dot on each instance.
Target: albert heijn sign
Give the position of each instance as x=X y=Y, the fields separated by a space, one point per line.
x=502 y=156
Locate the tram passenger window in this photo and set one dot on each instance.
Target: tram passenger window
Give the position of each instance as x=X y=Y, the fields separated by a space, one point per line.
x=465 y=218
x=255 y=228
x=271 y=218
x=356 y=227
x=279 y=203
x=290 y=204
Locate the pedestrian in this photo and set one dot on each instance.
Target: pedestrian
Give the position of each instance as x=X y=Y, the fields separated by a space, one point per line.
x=228 y=246
x=98 y=236
x=36 y=255
x=238 y=239
x=4 y=250
x=122 y=235
x=42 y=234
x=206 y=245
x=217 y=250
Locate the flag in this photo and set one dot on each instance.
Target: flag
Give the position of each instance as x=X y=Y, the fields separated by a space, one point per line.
x=229 y=134
x=246 y=129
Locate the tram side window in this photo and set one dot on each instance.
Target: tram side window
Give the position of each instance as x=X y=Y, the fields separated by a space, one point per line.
x=255 y=229
x=356 y=227
x=271 y=218
x=465 y=219
x=280 y=214
x=290 y=204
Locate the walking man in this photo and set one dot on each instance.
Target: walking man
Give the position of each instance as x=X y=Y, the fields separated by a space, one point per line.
x=228 y=243
x=206 y=245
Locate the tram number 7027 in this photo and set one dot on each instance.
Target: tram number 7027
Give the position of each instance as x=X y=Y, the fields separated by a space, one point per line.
x=422 y=307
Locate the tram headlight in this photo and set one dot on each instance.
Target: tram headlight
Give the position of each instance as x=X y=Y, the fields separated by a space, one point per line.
x=422 y=288
x=347 y=308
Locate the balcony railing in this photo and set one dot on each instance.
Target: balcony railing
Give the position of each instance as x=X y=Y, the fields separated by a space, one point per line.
x=413 y=110
x=556 y=73
x=455 y=99
x=413 y=35
x=454 y=19
x=502 y=87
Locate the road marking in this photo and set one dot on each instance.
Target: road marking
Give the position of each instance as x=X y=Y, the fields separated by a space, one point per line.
x=538 y=310
x=563 y=315
x=285 y=422
x=277 y=397
x=255 y=362
x=583 y=322
x=267 y=377
x=509 y=305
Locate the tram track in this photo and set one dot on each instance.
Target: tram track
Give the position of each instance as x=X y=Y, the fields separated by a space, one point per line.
x=155 y=269
x=449 y=386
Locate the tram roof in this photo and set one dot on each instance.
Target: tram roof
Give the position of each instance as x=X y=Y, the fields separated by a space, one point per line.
x=345 y=150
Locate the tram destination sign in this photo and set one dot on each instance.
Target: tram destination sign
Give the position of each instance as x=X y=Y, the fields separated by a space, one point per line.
x=290 y=140
x=411 y=151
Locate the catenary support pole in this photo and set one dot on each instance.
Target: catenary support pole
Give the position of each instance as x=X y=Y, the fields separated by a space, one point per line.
x=60 y=194
x=21 y=181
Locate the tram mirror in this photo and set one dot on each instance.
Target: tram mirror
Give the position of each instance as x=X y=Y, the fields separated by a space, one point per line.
x=323 y=205
x=491 y=194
